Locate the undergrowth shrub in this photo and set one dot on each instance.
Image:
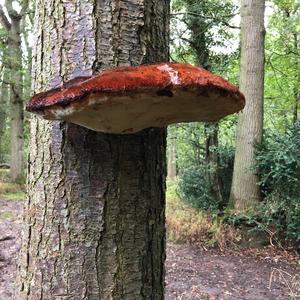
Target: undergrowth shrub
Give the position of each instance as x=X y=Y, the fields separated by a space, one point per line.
x=195 y=188
x=279 y=163
x=191 y=225
x=6 y=186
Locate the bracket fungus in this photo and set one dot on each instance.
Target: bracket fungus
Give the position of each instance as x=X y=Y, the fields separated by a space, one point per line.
x=129 y=99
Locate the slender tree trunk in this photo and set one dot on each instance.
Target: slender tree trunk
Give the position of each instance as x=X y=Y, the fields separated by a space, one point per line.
x=16 y=101
x=296 y=106
x=198 y=39
x=296 y=88
x=212 y=159
x=3 y=109
x=95 y=224
x=13 y=62
x=172 y=172
x=245 y=191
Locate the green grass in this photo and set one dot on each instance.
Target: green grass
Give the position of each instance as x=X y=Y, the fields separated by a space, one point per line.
x=4 y=175
x=14 y=196
x=9 y=190
x=6 y=215
x=8 y=187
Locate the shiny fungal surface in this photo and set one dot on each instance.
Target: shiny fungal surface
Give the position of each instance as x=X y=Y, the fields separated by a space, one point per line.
x=129 y=99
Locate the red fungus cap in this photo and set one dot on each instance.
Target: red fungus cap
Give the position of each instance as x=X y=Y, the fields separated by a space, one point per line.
x=129 y=99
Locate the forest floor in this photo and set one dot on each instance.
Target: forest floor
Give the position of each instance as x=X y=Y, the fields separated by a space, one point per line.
x=191 y=273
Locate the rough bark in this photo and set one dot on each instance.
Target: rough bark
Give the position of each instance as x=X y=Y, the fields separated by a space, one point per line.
x=245 y=191
x=95 y=225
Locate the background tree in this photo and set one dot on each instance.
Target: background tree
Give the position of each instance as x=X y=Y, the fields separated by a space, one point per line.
x=203 y=29
x=13 y=62
x=171 y=163
x=245 y=191
x=95 y=225
x=4 y=94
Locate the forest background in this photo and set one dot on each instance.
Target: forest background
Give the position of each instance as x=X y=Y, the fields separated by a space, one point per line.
x=200 y=205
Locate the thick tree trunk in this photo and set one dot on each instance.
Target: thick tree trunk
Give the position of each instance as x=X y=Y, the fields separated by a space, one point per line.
x=3 y=108
x=95 y=225
x=245 y=191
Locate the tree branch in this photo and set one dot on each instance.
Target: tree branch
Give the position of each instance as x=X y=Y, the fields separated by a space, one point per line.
x=213 y=18
x=13 y=14
x=24 y=8
x=201 y=16
x=3 y=19
x=228 y=25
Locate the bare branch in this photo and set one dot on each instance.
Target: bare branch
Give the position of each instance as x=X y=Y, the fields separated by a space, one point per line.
x=24 y=8
x=3 y=19
x=219 y=19
x=202 y=16
x=228 y=25
x=13 y=14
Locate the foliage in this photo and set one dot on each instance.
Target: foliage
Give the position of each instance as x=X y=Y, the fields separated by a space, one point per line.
x=189 y=225
x=282 y=77
x=279 y=164
x=189 y=140
x=4 y=175
x=5 y=143
x=194 y=187
x=200 y=35
x=199 y=29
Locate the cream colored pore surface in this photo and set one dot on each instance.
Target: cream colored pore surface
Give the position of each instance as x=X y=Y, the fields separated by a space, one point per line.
x=132 y=113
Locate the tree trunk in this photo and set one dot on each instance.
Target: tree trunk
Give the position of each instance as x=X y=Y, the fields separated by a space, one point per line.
x=3 y=109
x=212 y=159
x=13 y=62
x=296 y=104
x=95 y=224
x=172 y=172
x=199 y=42
x=16 y=102
x=245 y=190
x=296 y=88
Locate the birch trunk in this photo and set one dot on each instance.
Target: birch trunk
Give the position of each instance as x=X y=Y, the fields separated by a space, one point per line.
x=245 y=190
x=94 y=218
